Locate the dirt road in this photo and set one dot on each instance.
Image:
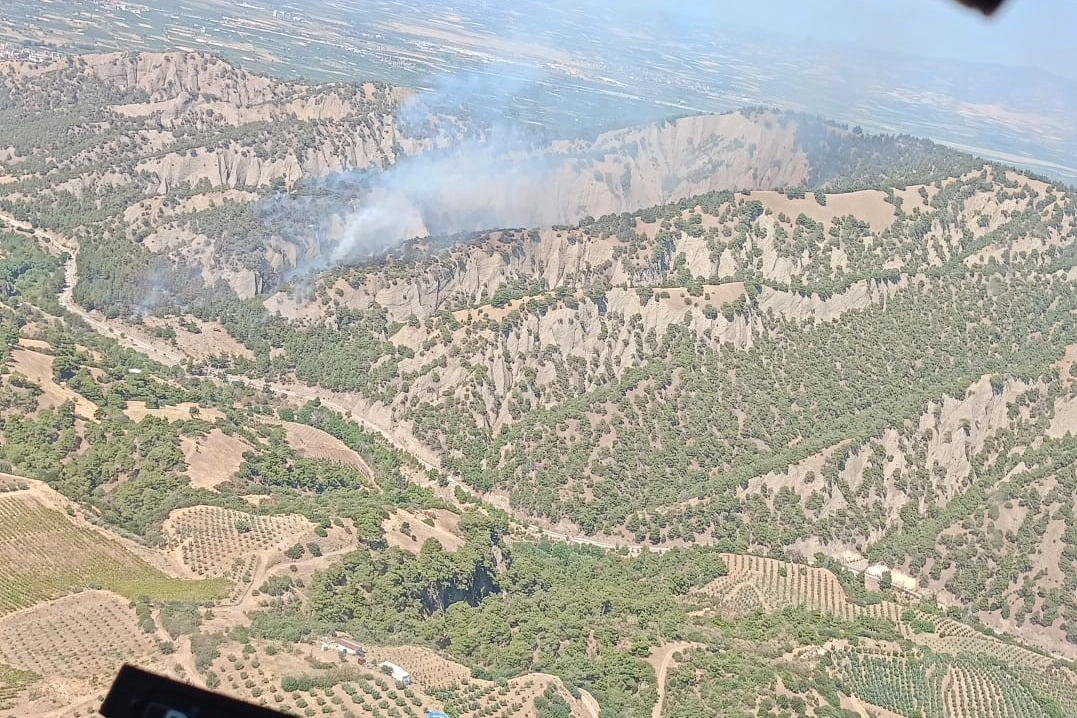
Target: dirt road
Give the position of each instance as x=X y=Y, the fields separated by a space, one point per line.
x=170 y=356
x=661 y=659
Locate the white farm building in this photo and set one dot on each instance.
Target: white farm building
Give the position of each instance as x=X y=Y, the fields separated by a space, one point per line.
x=344 y=645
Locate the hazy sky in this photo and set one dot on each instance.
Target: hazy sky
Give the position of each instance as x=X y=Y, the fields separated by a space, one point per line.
x=1032 y=33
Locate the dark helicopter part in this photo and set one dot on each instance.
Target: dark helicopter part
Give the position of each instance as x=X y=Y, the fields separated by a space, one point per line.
x=139 y=694
x=987 y=7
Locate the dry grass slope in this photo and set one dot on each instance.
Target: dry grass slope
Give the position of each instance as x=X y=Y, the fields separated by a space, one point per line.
x=443 y=528
x=214 y=458
x=317 y=444
x=37 y=367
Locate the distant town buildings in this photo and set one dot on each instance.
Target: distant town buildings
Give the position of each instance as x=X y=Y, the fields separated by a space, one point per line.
x=27 y=53
x=119 y=5
x=286 y=15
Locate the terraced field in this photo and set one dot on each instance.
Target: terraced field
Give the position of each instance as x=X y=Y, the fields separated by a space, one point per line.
x=760 y=582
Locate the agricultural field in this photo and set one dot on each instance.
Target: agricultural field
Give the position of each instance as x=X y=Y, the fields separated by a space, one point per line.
x=518 y=697
x=304 y=681
x=907 y=685
x=12 y=683
x=90 y=633
x=316 y=444
x=45 y=554
x=210 y=539
x=987 y=691
x=758 y=582
x=942 y=668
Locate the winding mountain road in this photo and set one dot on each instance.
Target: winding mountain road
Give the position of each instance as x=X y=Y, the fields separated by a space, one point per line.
x=165 y=354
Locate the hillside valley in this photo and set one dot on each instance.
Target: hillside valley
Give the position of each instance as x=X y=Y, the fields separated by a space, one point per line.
x=223 y=175
x=742 y=414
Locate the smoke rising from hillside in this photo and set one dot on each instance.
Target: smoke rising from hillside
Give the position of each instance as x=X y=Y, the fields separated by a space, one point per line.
x=493 y=165
x=485 y=173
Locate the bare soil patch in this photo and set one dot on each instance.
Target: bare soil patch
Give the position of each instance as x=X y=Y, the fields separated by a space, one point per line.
x=1065 y=419
x=37 y=367
x=213 y=458
x=137 y=411
x=497 y=314
x=714 y=295
x=210 y=340
x=445 y=529
x=911 y=197
x=867 y=205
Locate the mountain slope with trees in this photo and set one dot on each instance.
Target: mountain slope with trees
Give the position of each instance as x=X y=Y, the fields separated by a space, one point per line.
x=808 y=392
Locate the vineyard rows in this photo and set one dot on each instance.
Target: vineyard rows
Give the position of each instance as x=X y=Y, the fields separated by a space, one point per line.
x=1055 y=681
x=13 y=682
x=84 y=635
x=759 y=582
x=903 y=685
x=784 y=584
x=947 y=642
x=988 y=691
x=45 y=555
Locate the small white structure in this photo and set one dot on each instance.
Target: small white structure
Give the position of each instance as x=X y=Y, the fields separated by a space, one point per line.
x=898 y=579
x=343 y=645
x=399 y=674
